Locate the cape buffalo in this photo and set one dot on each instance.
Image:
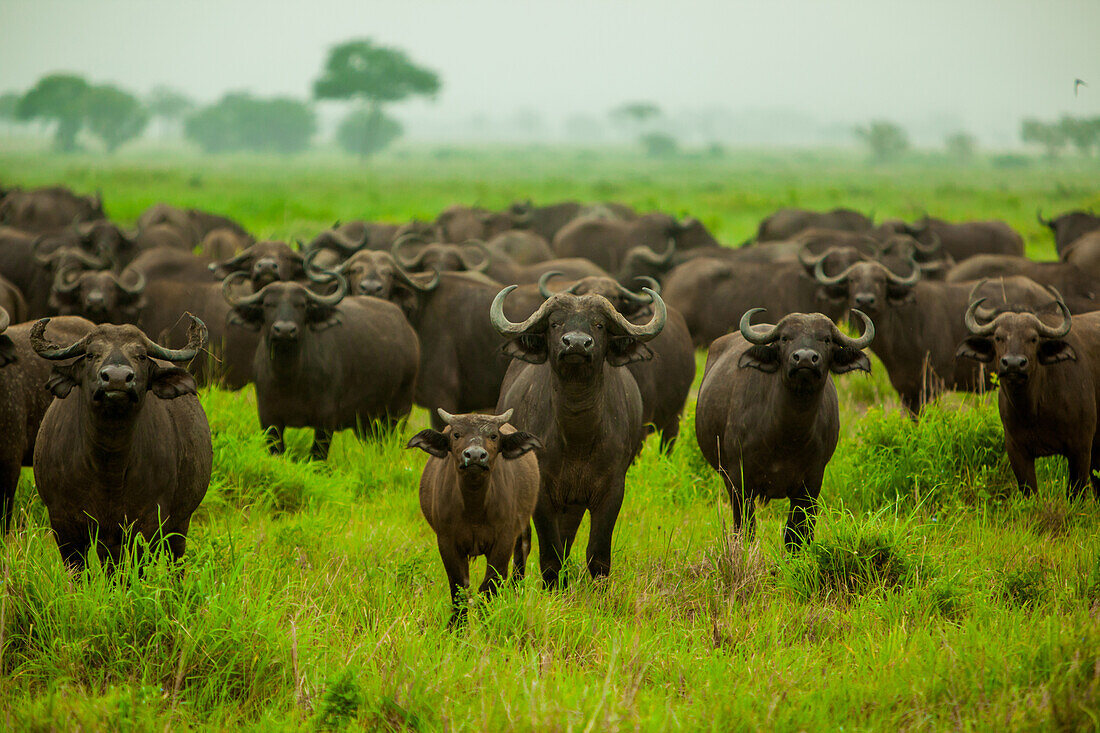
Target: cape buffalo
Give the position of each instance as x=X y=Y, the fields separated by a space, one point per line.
x=1048 y=377
x=1084 y=254
x=22 y=374
x=767 y=417
x=712 y=294
x=264 y=262
x=663 y=381
x=968 y=239
x=29 y=263
x=326 y=362
x=192 y=225
x=547 y=221
x=459 y=223
x=920 y=323
x=100 y=296
x=606 y=242
x=566 y=388
x=48 y=209
x=1081 y=290
x=111 y=459
x=521 y=247
x=478 y=491
x=1067 y=227
x=786 y=223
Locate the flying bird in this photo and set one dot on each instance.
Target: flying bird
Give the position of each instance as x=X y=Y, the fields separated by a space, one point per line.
x=1077 y=83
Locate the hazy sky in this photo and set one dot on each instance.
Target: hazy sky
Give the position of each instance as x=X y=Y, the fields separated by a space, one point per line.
x=988 y=62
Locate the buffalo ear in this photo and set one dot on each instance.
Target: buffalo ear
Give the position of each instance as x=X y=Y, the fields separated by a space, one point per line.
x=323 y=318
x=978 y=348
x=7 y=350
x=529 y=348
x=404 y=298
x=516 y=444
x=431 y=442
x=1052 y=351
x=168 y=383
x=63 y=378
x=625 y=351
x=846 y=359
x=761 y=356
x=246 y=317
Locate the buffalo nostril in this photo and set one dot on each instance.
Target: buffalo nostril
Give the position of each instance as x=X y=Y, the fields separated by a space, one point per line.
x=814 y=358
x=104 y=376
x=129 y=377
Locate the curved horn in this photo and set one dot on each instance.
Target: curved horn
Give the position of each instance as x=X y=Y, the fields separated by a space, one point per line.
x=545 y=278
x=646 y=254
x=235 y=301
x=445 y=416
x=861 y=342
x=48 y=349
x=821 y=277
x=928 y=249
x=503 y=418
x=403 y=240
x=233 y=263
x=341 y=243
x=503 y=325
x=645 y=332
x=333 y=299
x=137 y=288
x=5 y=319
x=486 y=255
x=315 y=273
x=633 y=297
x=1059 y=331
x=61 y=285
x=756 y=337
x=1039 y=216
x=809 y=260
x=650 y=282
x=408 y=280
x=196 y=337
x=971 y=320
x=911 y=279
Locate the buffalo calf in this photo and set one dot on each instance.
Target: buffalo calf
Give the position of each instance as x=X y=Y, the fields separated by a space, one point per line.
x=478 y=492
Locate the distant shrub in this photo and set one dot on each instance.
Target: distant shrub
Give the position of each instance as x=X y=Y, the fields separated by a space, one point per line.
x=241 y=122
x=1010 y=160
x=366 y=132
x=659 y=145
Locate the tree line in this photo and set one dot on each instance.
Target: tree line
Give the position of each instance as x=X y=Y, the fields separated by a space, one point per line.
x=365 y=75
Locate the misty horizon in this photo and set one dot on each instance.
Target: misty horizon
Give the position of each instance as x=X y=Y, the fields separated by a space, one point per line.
x=737 y=73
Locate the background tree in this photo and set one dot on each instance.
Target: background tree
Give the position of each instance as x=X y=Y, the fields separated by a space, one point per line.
x=375 y=75
x=960 y=146
x=1082 y=133
x=635 y=113
x=364 y=132
x=57 y=98
x=169 y=108
x=8 y=103
x=886 y=140
x=114 y=115
x=1050 y=136
x=240 y=121
x=659 y=145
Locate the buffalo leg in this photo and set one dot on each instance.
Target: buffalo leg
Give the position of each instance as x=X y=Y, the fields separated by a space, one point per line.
x=9 y=482
x=912 y=403
x=74 y=549
x=1095 y=470
x=458 y=576
x=567 y=525
x=519 y=554
x=322 y=441
x=800 y=521
x=496 y=568
x=551 y=554
x=743 y=508
x=1078 y=474
x=1023 y=467
x=603 y=526
x=669 y=434
x=274 y=436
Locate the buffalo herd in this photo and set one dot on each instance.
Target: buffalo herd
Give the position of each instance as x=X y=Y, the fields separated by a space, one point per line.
x=546 y=343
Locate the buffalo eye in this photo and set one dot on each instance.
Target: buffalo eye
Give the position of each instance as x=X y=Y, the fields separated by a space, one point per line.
x=494 y=436
x=456 y=436
x=599 y=326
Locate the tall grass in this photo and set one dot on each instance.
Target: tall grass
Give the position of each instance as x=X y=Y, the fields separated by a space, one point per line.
x=312 y=595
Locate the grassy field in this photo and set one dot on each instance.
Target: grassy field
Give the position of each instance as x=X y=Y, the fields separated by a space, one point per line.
x=933 y=596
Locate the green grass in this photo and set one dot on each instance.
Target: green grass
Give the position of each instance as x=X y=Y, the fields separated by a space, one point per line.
x=312 y=595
